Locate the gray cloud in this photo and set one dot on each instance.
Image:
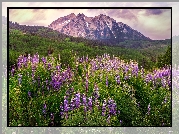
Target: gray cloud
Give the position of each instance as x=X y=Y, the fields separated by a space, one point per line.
x=155 y=11
x=126 y=14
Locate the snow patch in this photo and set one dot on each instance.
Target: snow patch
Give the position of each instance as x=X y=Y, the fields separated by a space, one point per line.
x=87 y=24
x=67 y=21
x=125 y=31
x=112 y=32
x=108 y=26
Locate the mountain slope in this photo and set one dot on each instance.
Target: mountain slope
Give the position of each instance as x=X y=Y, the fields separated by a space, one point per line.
x=100 y=27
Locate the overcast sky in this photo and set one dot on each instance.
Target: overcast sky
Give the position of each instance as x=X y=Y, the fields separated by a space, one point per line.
x=153 y=23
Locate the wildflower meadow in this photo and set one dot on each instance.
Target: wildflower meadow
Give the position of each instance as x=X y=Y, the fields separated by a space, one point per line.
x=100 y=91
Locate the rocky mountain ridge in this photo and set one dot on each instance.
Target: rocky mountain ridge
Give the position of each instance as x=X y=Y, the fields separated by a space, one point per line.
x=100 y=27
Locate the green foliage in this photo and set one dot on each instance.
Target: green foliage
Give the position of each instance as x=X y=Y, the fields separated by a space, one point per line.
x=44 y=41
x=13 y=57
x=132 y=96
x=15 y=31
x=165 y=59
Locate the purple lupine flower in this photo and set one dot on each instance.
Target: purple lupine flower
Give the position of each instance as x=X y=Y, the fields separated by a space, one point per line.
x=126 y=77
x=164 y=73
x=13 y=71
x=35 y=59
x=58 y=68
x=119 y=112
x=138 y=104
x=45 y=106
x=135 y=71
x=84 y=102
x=61 y=110
x=77 y=100
x=112 y=107
x=72 y=104
x=19 y=79
x=169 y=83
x=66 y=105
x=49 y=66
x=108 y=119
x=68 y=92
x=29 y=57
x=104 y=108
x=120 y=121
x=149 y=109
x=42 y=86
x=29 y=93
x=96 y=88
x=87 y=58
x=90 y=104
x=163 y=83
x=44 y=110
x=44 y=60
x=160 y=75
x=126 y=69
x=33 y=68
x=51 y=116
x=149 y=77
x=118 y=79
x=96 y=93
x=81 y=60
x=57 y=81
x=72 y=90
x=19 y=62
x=33 y=75
x=25 y=61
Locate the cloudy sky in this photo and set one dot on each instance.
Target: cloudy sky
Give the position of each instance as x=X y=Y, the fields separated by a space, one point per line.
x=153 y=23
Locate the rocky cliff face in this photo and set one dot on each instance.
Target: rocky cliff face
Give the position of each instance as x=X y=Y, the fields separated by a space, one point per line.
x=100 y=27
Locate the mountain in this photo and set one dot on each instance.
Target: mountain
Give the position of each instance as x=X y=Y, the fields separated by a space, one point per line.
x=47 y=32
x=100 y=27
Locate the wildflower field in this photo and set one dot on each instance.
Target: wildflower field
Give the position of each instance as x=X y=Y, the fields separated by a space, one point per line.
x=100 y=91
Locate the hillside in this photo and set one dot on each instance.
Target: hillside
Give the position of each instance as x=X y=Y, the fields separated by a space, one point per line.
x=20 y=43
x=31 y=39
